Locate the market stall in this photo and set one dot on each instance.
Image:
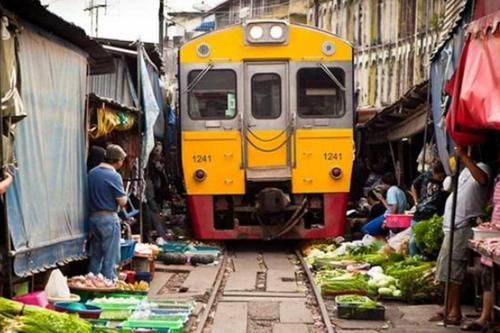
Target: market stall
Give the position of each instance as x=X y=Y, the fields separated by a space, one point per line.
x=92 y=303
x=377 y=270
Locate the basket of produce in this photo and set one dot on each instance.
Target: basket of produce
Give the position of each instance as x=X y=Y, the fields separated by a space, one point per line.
x=339 y=282
x=140 y=287
x=83 y=310
x=116 y=308
x=398 y=221
x=486 y=230
x=92 y=282
x=359 y=307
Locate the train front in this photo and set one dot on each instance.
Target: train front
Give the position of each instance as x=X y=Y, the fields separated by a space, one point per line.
x=267 y=131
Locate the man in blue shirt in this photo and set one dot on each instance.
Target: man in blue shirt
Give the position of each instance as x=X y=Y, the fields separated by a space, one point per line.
x=106 y=195
x=395 y=203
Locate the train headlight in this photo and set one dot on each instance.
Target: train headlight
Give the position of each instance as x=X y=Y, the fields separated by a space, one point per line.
x=336 y=173
x=266 y=32
x=256 y=32
x=276 y=32
x=200 y=175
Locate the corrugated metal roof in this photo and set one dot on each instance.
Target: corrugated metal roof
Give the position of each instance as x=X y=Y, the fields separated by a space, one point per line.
x=115 y=86
x=453 y=15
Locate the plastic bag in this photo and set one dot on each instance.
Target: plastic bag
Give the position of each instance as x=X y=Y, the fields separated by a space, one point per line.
x=398 y=239
x=57 y=286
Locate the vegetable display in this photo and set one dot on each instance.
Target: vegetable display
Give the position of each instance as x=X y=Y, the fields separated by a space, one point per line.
x=22 y=318
x=429 y=236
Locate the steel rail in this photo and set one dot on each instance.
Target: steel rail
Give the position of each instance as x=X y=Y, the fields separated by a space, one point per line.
x=213 y=295
x=317 y=293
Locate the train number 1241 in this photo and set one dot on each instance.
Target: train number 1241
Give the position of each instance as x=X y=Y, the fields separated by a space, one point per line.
x=332 y=156
x=202 y=158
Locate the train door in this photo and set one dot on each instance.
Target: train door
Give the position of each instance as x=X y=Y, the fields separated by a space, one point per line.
x=267 y=129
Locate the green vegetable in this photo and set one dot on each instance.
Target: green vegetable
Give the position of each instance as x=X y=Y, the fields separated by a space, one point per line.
x=429 y=235
x=385 y=291
x=397 y=293
x=342 y=283
x=33 y=319
x=362 y=302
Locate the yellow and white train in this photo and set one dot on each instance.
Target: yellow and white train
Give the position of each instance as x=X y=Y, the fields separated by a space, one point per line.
x=266 y=111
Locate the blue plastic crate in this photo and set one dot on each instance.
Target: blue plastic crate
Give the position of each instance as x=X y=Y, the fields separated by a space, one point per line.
x=127 y=249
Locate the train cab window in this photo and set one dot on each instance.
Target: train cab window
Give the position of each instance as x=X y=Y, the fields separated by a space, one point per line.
x=214 y=96
x=319 y=95
x=266 y=96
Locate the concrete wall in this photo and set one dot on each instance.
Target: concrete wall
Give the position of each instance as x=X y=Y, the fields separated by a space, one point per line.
x=392 y=38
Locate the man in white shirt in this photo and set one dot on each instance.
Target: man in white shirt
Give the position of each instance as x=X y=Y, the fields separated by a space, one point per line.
x=472 y=195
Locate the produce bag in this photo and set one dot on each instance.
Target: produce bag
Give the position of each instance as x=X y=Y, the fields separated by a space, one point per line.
x=398 y=240
x=57 y=286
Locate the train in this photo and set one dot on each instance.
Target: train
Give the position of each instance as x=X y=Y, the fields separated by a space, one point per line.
x=266 y=131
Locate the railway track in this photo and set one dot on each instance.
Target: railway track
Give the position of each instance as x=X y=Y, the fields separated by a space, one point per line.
x=264 y=288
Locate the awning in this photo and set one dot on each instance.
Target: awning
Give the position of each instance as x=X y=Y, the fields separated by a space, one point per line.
x=206 y=26
x=404 y=118
x=475 y=85
x=454 y=12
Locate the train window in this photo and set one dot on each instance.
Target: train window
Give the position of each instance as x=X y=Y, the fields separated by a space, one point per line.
x=266 y=96
x=214 y=96
x=319 y=96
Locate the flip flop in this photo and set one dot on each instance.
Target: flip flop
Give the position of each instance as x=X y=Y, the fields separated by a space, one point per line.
x=437 y=317
x=473 y=326
x=454 y=321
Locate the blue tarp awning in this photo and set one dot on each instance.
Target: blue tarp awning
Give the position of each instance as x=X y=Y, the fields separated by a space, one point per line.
x=46 y=205
x=206 y=26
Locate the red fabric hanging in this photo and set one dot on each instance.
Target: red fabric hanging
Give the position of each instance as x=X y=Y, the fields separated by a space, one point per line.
x=461 y=135
x=475 y=85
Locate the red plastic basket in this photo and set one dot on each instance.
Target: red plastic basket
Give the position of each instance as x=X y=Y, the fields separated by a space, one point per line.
x=399 y=221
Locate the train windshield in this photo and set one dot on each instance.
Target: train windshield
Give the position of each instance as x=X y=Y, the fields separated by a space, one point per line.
x=321 y=93
x=213 y=96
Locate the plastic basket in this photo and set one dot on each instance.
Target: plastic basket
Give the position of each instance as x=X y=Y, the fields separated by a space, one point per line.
x=353 y=311
x=37 y=298
x=175 y=247
x=398 y=221
x=485 y=234
x=127 y=249
x=83 y=310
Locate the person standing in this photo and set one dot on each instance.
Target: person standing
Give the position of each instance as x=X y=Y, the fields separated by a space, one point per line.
x=106 y=195
x=473 y=191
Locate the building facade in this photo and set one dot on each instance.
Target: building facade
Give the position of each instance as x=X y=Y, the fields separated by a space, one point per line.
x=236 y=11
x=393 y=40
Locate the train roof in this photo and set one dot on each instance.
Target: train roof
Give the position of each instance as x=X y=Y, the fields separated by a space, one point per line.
x=229 y=45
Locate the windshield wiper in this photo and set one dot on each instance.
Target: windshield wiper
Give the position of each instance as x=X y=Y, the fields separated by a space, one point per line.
x=198 y=78
x=332 y=76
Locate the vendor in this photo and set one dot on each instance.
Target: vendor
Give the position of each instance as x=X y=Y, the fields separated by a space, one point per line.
x=106 y=194
x=472 y=194
x=395 y=203
x=433 y=202
x=420 y=188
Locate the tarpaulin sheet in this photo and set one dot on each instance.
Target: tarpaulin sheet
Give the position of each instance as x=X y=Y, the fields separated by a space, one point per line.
x=149 y=105
x=46 y=205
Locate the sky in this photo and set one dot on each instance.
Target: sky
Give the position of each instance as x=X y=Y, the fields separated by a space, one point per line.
x=123 y=19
